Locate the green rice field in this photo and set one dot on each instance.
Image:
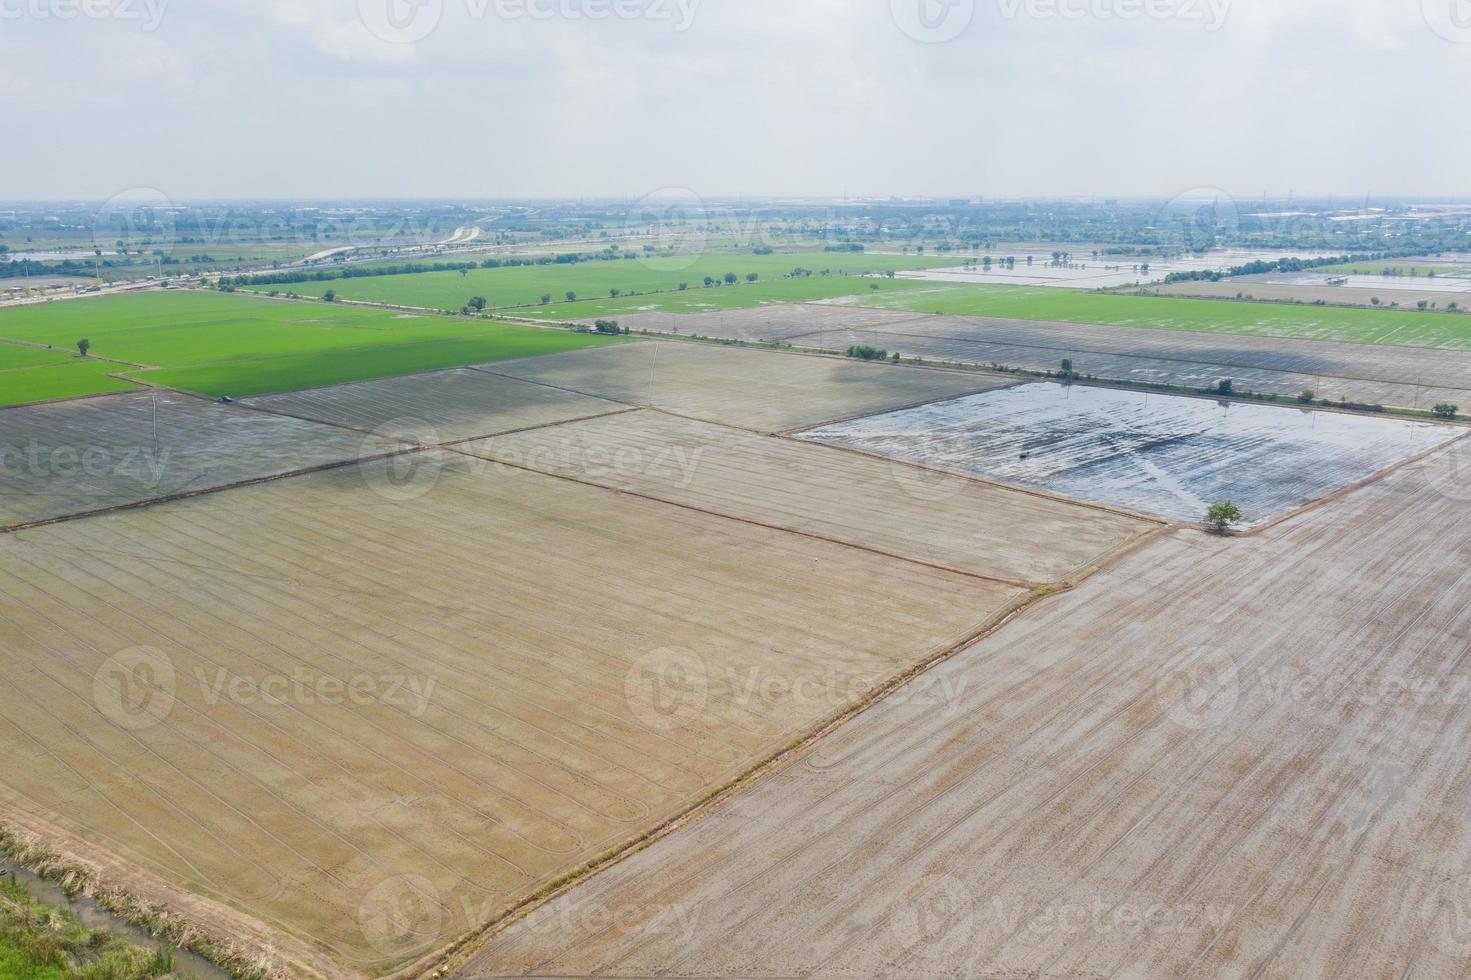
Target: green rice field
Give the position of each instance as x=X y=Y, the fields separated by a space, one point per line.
x=230 y=344
x=592 y=282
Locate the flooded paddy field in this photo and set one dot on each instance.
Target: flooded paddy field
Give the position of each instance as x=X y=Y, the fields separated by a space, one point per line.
x=1166 y=455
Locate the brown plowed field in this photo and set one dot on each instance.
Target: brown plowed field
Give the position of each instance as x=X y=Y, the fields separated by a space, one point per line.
x=890 y=507
x=1240 y=758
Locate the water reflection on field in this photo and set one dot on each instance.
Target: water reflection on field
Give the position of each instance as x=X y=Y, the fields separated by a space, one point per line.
x=1168 y=455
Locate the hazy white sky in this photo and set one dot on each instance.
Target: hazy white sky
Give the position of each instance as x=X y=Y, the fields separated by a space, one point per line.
x=494 y=98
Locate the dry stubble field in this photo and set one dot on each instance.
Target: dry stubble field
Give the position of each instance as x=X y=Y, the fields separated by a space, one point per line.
x=498 y=628
x=1237 y=758
x=1406 y=377
x=365 y=710
x=93 y=453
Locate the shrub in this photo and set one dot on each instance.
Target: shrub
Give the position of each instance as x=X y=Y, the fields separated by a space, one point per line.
x=1446 y=410
x=1307 y=396
x=607 y=326
x=1219 y=518
x=866 y=353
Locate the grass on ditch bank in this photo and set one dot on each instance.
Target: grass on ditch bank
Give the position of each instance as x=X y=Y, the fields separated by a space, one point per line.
x=38 y=942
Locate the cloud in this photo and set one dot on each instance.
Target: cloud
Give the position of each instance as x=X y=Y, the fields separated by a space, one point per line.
x=600 y=97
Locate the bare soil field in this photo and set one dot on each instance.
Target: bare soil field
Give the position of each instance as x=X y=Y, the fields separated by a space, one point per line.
x=765 y=391
x=374 y=706
x=442 y=406
x=1403 y=377
x=1238 y=758
x=77 y=456
x=889 y=507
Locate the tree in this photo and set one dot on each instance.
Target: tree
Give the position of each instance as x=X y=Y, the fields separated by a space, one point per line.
x=1067 y=367
x=613 y=293
x=83 y=346
x=1446 y=410
x=546 y=298
x=730 y=278
x=683 y=286
x=1223 y=387
x=709 y=281
x=571 y=296
x=1219 y=518
x=752 y=277
x=330 y=296
x=607 y=326
x=477 y=303
x=1307 y=397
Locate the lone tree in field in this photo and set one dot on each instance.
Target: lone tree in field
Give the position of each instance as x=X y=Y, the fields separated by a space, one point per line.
x=1219 y=518
x=330 y=295
x=571 y=296
x=1445 y=410
x=477 y=303
x=83 y=346
x=1067 y=367
x=1224 y=386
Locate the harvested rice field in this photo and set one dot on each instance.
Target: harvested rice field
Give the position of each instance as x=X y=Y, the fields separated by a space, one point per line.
x=90 y=454
x=439 y=407
x=888 y=507
x=1167 y=455
x=372 y=707
x=1238 y=758
x=765 y=391
x=1403 y=377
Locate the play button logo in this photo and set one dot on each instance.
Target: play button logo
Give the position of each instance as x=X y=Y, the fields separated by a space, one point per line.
x=933 y=21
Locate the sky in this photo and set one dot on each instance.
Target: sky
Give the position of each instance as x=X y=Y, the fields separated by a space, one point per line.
x=333 y=99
